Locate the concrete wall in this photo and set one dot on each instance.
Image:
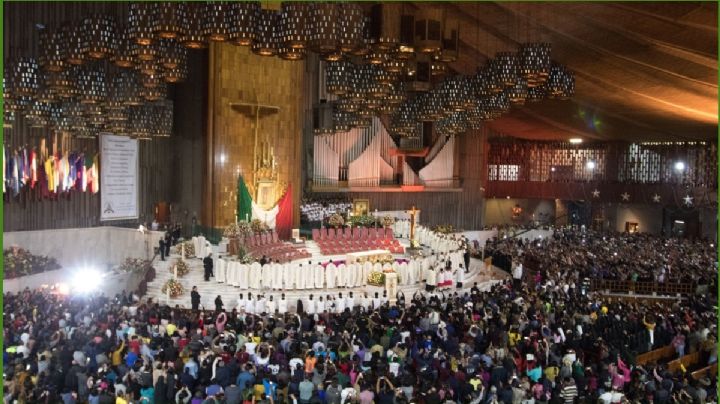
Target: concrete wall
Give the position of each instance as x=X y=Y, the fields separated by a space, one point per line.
x=110 y=285
x=499 y=211
x=96 y=247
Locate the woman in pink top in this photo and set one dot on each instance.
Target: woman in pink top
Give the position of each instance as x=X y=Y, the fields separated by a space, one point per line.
x=220 y=322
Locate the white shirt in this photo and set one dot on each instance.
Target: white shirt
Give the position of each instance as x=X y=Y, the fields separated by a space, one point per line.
x=340 y=303
x=320 y=306
x=282 y=305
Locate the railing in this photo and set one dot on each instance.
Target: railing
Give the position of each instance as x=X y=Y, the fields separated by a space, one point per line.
x=655 y=355
x=642 y=288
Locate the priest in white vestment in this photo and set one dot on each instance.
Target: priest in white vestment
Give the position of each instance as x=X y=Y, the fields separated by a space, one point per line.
x=359 y=275
x=340 y=303
x=241 y=301
x=266 y=276
x=403 y=273
x=277 y=275
x=282 y=304
x=367 y=268
x=260 y=304
x=330 y=276
x=297 y=275
x=255 y=275
x=271 y=305
x=242 y=275
x=341 y=275
x=310 y=306
x=221 y=270
x=286 y=274
x=250 y=304
x=308 y=278
x=350 y=301
x=319 y=276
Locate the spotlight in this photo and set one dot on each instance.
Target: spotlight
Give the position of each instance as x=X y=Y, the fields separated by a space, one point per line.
x=679 y=166
x=576 y=140
x=86 y=280
x=590 y=165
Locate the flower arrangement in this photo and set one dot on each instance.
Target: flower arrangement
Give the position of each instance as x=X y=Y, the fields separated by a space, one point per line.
x=363 y=221
x=134 y=265
x=258 y=226
x=175 y=287
x=414 y=243
x=189 y=249
x=238 y=230
x=336 y=220
x=244 y=256
x=182 y=267
x=20 y=262
x=388 y=221
x=376 y=278
x=444 y=229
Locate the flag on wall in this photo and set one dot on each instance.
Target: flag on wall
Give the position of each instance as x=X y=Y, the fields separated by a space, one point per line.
x=244 y=201
x=284 y=219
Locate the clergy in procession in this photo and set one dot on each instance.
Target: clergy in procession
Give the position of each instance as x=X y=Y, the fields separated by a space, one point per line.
x=359 y=275
x=255 y=276
x=250 y=304
x=340 y=303
x=367 y=268
x=310 y=305
x=341 y=274
x=241 y=302
x=260 y=304
x=288 y=272
x=350 y=301
x=330 y=276
x=282 y=304
x=266 y=276
x=277 y=275
x=319 y=276
x=308 y=278
x=367 y=302
x=242 y=275
x=320 y=305
x=402 y=271
x=221 y=270
x=298 y=277
x=271 y=305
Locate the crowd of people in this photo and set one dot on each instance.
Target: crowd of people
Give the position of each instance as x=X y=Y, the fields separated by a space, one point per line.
x=509 y=343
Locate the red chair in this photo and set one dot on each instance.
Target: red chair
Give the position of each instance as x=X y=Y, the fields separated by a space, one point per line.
x=373 y=233
x=388 y=233
x=348 y=233
x=331 y=233
x=275 y=237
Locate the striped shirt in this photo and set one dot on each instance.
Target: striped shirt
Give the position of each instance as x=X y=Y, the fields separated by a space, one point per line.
x=568 y=393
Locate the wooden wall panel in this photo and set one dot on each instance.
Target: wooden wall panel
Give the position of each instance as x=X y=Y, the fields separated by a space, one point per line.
x=237 y=75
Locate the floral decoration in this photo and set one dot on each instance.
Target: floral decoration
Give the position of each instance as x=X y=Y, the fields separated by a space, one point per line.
x=336 y=220
x=376 y=278
x=182 y=267
x=444 y=229
x=258 y=226
x=363 y=221
x=388 y=221
x=244 y=256
x=189 y=249
x=20 y=262
x=175 y=287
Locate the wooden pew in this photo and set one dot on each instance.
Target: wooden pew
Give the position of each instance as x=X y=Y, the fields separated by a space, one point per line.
x=687 y=361
x=708 y=371
x=656 y=355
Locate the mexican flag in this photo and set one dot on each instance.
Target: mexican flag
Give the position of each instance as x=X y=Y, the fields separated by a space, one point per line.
x=244 y=201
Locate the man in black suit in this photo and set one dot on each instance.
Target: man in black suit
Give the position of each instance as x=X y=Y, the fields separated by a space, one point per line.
x=195 y=298
x=208 y=264
x=162 y=250
x=168 y=243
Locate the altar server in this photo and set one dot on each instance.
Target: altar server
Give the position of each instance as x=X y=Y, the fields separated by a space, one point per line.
x=250 y=304
x=350 y=301
x=340 y=303
x=260 y=304
x=310 y=305
x=241 y=302
x=220 y=271
x=320 y=305
x=271 y=305
x=282 y=304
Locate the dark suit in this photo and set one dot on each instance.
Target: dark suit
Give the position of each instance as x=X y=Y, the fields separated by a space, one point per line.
x=208 y=264
x=195 y=299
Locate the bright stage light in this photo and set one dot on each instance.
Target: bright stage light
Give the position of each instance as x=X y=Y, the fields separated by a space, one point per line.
x=86 y=280
x=679 y=166
x=590 y=165
x=575 y=140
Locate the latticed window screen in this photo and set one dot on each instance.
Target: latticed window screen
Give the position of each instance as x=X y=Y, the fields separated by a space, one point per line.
x=646 y=163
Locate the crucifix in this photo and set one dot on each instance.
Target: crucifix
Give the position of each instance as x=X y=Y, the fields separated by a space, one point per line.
x=412 y=212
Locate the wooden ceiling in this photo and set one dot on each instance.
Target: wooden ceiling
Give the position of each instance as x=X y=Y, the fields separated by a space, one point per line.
x=644 y=71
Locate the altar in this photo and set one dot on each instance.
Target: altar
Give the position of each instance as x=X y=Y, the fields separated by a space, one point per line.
x=373 y=255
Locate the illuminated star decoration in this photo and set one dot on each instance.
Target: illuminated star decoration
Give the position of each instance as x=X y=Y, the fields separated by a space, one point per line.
x=688 y=200
x=596 y=193
x=625 y=196
x=656 y=198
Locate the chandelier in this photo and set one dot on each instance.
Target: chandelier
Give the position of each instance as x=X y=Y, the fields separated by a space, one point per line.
x=266 y=39
x=170 y=17
x=245 y=15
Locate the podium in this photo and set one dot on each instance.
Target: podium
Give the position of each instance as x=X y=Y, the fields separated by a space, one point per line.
x=391 y=283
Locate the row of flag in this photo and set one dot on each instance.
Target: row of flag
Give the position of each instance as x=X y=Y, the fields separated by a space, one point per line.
x=49 y=173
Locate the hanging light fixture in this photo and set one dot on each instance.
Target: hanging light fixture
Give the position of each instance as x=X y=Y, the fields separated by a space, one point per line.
x=154 y=93
x=147 y=67
x=99 y=32
x=337 y=75
x=52 y=52
x=536 y=94
x=292 y=54
x=126 y=48
x=428 y=30
x=143 y=22
x=385 y=27
x=92 y=86
x=195 y=34
x=146 y=52
x=61 y=83
x=76 y=45
x=352 y=25
x=438 y=68
x=170 y=19
x=24 y=77
x=505 y=65
x=266 y=40
x=517 y=94
x=294 y=26
x=176 y=75
x=171 y=54
x=324 y=28
x=217 y=20
x=38 y=115
x=245 y=15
